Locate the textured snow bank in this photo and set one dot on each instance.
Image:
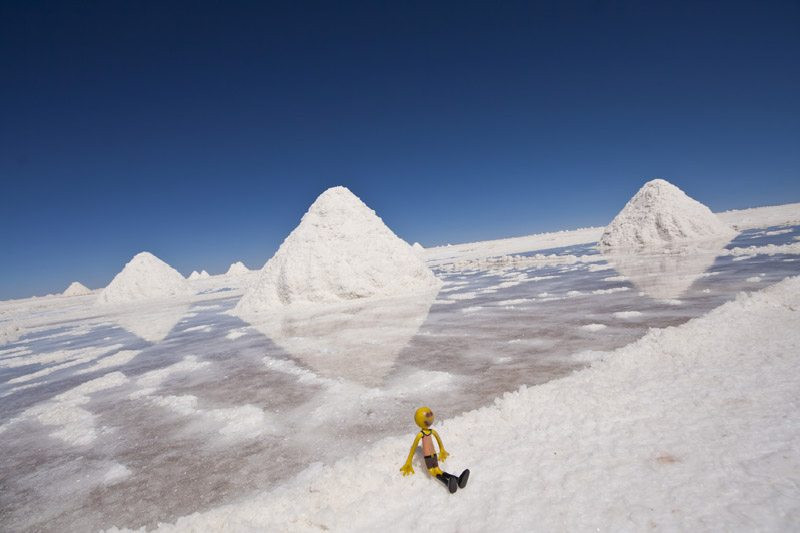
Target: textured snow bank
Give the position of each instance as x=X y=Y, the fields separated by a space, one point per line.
x=145 y=277
x=662 y=214
x=341 y=251
x=237 y=269
x=691 y=428
x=76 y=289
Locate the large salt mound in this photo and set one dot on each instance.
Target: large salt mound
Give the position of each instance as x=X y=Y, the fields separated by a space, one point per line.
x=76 y=289
x=662 y=214
x=237 y=269
x=341 y=251
x=145 y=277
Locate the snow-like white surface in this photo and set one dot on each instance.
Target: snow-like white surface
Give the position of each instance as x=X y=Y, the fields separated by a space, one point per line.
x=762 y=217
x=237 y=269
x=341 y=251
x=212 y=404
x=70 y=422
x=145 y=277
x=660 y=214
x=76 y=289
x=691 y=428
x=513 y=245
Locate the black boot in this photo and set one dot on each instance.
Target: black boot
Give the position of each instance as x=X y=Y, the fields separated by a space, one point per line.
x=449 y=480
x=463 y=478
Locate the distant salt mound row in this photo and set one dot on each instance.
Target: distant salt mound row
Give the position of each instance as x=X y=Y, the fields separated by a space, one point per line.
x=76 y=289
x=237 y=269
x=661 y=214
x=341 y=251
x=198 y=275
x=145 y=277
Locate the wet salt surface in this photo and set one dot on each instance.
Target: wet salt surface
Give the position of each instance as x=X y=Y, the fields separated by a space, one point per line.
x=203 y=417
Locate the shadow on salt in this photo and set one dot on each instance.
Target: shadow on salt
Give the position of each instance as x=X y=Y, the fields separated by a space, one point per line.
x=666 y=274
x=358 y=342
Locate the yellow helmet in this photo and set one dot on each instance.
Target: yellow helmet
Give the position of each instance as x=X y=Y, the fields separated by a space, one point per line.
x=424 y=417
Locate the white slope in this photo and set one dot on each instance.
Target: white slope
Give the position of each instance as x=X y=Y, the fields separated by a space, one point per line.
x=194 y=275
x=237 y=269
x=145 y=277
x=76 y=289
x=691 y=428
x=341 y=251
x=661 y=214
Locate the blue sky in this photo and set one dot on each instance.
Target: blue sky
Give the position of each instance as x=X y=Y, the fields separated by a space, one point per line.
x=201 y=131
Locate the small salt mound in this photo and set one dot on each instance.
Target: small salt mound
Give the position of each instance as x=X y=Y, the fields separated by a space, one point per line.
x=237 y=269
x=662 y=214
x=145 y=277
x=194 y=275
x=204 y=274
x=76 y=289
x=341 y=251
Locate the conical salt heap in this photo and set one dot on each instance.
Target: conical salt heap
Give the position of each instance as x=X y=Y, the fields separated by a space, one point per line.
x=341 y=251
x=76 y=289
x=198 y=275
x=237 y=269
x=145 y=277
x=661 y=214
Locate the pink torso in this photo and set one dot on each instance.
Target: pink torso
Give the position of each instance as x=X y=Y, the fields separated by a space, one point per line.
x=427 y=445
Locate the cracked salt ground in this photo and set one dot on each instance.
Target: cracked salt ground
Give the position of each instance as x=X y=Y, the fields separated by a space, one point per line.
x=137 y=432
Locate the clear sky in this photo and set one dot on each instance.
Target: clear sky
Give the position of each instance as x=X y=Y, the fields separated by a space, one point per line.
x=201 y=131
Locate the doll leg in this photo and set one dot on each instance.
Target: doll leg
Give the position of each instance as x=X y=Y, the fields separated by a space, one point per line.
x=450 y=481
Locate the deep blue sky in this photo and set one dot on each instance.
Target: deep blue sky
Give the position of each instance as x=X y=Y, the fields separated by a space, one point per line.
x=201 y=131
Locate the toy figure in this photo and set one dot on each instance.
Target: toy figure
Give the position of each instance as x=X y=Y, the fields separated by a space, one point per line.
x=424 y=419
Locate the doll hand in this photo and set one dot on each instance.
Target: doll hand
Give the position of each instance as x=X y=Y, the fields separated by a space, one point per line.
x=407 y=470
x=443 y=455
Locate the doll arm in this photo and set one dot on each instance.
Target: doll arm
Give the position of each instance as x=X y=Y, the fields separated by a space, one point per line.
x=406 y=468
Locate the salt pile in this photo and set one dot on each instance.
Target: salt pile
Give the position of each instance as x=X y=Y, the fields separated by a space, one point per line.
x=341 y=251
x=237 y=269
x=199 y=275
x=417 y=247
x=76 y=289
x=145 y=277
x=662 y=214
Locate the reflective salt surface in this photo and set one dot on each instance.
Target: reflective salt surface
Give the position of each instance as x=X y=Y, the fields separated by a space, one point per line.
x=146 y=415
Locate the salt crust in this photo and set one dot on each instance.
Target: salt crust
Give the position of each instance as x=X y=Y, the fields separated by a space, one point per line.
x=700 y=418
